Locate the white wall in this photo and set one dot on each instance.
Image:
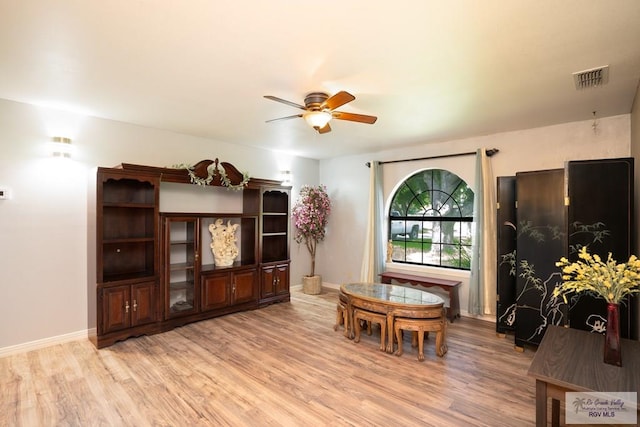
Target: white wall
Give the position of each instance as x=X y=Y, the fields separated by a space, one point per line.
x=43 y=228
x=340 y=256
x=43 y=236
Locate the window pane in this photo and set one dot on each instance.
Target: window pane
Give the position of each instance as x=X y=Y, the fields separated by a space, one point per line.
x=436 y=232
x=399 y=251
x=430 y=220
x=450 y=255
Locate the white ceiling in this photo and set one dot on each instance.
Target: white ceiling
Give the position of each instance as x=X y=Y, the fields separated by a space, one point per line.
x=430 y=70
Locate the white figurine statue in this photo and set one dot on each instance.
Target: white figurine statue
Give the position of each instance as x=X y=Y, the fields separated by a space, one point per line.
x=223 y=242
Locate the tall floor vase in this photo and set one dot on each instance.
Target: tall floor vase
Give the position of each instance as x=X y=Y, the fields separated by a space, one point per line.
x=612 y=351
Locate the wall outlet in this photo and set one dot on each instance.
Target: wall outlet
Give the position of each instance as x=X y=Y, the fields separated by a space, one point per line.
x=5 y=193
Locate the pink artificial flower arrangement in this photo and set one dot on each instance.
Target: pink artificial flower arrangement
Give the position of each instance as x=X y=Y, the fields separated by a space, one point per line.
x=310 y=216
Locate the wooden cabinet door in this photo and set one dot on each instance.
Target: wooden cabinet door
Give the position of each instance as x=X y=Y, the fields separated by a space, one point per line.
x=215 y=291
x=267 y=282
x=143 y=303
x=116 y=304
x=180 y=265
x=244 y=286
x=282 y=279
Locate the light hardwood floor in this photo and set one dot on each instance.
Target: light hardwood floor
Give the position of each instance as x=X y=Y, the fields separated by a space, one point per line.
x=281 y=365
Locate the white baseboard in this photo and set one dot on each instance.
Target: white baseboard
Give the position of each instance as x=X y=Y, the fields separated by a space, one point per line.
x=46 y=342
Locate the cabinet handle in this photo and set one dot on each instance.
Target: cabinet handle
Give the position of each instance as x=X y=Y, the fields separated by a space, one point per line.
x=196 y=256
x=135 y=305
x=126 y=307
x=233 y=290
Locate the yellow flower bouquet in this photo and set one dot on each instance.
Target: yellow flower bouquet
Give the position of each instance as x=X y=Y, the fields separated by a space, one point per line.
x=608 y=280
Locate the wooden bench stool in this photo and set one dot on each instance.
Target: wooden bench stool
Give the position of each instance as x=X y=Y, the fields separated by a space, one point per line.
x=342 y=317
x=422 y=326
x=370 y=317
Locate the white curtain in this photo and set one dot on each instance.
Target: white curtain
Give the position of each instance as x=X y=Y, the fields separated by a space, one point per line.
x=482 y=284
x=374 y=256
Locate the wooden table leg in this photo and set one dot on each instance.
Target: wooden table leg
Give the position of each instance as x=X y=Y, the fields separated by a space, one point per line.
x=348 y=324
x=390 y=333
x=541 y=403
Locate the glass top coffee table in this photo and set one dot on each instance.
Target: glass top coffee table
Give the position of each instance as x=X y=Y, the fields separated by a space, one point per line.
x=394 y=301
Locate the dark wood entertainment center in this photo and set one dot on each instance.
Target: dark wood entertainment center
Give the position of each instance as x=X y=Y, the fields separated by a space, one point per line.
x=153 y=270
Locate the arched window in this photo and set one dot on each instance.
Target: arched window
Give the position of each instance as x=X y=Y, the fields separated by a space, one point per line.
x=430 y=220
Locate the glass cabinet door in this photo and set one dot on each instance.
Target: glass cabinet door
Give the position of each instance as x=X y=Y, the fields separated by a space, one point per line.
x=181 y=266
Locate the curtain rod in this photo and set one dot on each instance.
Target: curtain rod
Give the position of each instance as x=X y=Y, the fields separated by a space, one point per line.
x=490 y=152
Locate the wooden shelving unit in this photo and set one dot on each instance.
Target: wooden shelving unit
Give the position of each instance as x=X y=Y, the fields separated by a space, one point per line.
x=155 y=270
x=127 y=283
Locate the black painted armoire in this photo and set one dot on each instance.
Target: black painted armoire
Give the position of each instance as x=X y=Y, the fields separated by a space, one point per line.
x=545 y=215
x=506 y=228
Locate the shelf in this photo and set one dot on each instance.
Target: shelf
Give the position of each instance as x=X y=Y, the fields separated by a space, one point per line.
x=138 y=276
x=181 y=242
x=128 y=257
x=275 y=247
x=180 y=286
x=121 y=222
x=128 y=205
x=181 y=297
x=181 y=306
x=275 y=201
x=212 y=267
x=275 y=226
x=128 y=191
x=128 y=240
x=275 y=223
x=181 y=266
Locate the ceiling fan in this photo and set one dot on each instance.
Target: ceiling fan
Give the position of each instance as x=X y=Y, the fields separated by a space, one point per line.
x=319 y=109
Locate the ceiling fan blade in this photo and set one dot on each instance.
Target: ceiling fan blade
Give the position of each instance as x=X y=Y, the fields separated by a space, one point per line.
x=337 y=100
x=325 y=129
x=284 y=118
x=361 y=118
x=284 y=101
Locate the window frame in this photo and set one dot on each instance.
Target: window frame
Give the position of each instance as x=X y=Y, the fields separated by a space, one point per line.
x=463 y=248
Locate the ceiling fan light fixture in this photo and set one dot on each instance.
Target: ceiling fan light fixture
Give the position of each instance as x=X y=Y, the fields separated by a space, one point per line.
x=317 y=119
x=320 y=108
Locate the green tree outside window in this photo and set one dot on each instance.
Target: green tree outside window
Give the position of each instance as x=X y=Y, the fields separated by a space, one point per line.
x=430 y=220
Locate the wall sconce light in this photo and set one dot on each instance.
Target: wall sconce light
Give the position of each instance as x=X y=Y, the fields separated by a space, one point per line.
x=286 y=177
x=61 y=147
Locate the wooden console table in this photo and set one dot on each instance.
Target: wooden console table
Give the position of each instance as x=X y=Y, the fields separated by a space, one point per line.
x=570 y=360
x=449 y=286
x=395 y=301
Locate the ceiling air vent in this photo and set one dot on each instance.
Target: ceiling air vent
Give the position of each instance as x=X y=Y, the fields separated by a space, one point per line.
x=591 y=78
